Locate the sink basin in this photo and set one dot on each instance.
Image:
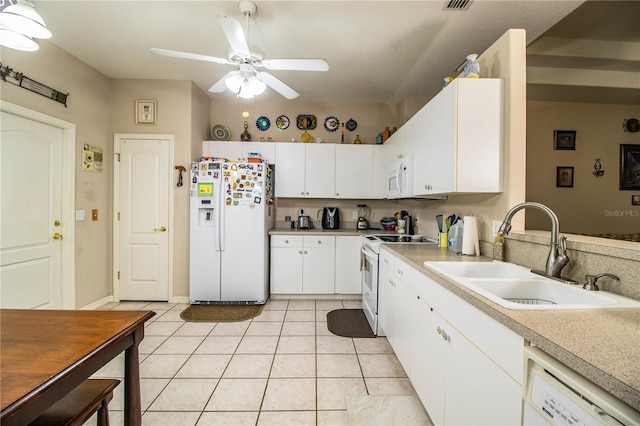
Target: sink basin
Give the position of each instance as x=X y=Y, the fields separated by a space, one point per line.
x=516 y=287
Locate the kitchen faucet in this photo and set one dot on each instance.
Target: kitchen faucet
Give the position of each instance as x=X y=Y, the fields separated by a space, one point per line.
x=557 y=258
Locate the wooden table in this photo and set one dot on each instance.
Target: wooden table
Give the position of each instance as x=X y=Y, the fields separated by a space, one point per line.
x=44 y=354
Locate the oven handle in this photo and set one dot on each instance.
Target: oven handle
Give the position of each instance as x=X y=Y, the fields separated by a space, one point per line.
x=367 y=252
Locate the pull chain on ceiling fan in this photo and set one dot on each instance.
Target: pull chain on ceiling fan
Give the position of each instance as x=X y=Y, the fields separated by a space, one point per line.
x=247 y=80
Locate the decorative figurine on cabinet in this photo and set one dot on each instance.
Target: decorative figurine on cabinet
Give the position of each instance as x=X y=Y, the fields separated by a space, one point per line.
x=245 y=136
x=472 y=68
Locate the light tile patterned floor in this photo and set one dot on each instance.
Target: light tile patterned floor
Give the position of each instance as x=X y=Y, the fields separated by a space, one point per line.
x=283 y=367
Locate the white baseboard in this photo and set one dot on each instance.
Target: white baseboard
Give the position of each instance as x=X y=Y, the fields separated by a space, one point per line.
x=180 y=299
x=97 y=304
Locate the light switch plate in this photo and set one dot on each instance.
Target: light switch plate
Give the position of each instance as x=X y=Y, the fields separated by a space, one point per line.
x=79 y=215
x=94 y=214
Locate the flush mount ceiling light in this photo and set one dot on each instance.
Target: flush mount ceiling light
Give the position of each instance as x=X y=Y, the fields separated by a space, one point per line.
x=20 y=24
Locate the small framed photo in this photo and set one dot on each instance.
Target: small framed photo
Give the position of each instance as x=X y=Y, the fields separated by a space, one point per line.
x=629 y=167
x=564 y=177
x=146 y=112
x=635 y=200
x=564 y=139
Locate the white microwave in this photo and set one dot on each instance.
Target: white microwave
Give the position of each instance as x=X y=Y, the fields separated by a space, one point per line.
x=400 y=178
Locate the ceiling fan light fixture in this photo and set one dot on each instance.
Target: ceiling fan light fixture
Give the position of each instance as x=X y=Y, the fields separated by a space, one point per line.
x=234 y=82
x=257 y=86
x=17 y=41
x=22 y=18
x=245 y=91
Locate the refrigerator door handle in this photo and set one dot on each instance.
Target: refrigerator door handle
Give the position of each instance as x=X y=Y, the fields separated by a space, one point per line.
x=221 y=222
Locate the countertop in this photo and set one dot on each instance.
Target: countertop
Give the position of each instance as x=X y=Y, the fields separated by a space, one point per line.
x=601 y=345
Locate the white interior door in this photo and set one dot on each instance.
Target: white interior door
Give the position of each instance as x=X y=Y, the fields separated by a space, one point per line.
x=143 y=197
x=31 y=215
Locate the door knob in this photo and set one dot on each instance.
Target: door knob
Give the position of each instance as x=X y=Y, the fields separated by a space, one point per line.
x=57 y=236
x=161 y=229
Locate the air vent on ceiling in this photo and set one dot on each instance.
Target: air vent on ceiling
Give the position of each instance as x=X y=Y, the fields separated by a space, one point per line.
x=458 y=4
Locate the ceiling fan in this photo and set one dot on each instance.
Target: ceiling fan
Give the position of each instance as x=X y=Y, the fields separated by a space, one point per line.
x=248 y=80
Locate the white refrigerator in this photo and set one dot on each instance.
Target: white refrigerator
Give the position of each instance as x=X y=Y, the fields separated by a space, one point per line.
x=231 y=213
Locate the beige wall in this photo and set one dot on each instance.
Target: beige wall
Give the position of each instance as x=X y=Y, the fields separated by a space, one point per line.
x=89 y=109
x=590 y=206
x=180 y=113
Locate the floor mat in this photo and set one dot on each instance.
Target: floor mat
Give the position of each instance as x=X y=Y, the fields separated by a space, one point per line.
x=220 y=313
x=349 y=323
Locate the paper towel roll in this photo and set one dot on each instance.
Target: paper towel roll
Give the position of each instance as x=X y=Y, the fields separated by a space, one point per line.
x=470 y=240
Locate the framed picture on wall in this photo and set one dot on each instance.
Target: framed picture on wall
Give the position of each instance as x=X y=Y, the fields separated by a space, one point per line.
x=564 y=177
x=564 y=139
x=146 y=112
x=629 y=167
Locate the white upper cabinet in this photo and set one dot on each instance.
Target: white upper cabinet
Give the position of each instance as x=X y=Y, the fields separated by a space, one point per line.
x=305 y=170
x=359 y=171
x=458 y=145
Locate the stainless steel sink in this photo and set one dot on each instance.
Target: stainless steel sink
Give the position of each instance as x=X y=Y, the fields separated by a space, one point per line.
x=515 y=287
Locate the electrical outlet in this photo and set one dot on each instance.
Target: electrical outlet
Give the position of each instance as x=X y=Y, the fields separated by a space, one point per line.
x=495 y=227
x=287 y=218
x=354 y=215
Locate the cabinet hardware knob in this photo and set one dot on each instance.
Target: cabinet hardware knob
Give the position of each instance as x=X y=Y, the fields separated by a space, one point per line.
x=305 y=252
x=286 y=241
x=300 y=252
x=319 y=242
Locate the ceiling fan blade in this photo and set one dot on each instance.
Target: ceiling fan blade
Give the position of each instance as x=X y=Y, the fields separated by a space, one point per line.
x=296 y=64
x=220 y=85
x=186 y=55
x=233 y=31
x=277 y=85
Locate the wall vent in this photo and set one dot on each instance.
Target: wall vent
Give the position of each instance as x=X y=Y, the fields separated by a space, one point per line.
x=458 y=5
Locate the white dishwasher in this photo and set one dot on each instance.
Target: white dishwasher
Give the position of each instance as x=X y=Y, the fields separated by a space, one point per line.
x=556 y=395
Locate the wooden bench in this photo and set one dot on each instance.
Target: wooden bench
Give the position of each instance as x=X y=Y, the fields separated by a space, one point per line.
x=79 y=405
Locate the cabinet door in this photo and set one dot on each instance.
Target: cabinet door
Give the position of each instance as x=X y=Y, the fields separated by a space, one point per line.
x=428 y=360
x=354 y=171
x=403 y=326
x=436 y=152
x=479 y=131
x=290 y=170
x=386 y=295
x=320 y=170
x=477 y=390
x=348 y=274
x=286 y=270
x=392 y=148
x=318 y=269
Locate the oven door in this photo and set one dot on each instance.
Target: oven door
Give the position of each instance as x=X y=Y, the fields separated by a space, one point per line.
x=370 y=287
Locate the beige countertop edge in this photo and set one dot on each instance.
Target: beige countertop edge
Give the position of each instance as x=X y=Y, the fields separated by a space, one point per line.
x=599 y=345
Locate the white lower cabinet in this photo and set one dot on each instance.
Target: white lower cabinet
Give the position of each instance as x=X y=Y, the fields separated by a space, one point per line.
x=302 y=264
x=457 y=381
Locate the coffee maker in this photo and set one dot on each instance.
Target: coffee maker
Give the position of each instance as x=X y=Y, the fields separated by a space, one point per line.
x=330 y=218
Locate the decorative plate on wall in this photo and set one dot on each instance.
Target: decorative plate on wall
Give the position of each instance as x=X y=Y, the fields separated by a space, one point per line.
x=306 y=122
x=331 y=123
x=220 y=133
x=351 y=124
x=282 y=122
x=263 y=123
